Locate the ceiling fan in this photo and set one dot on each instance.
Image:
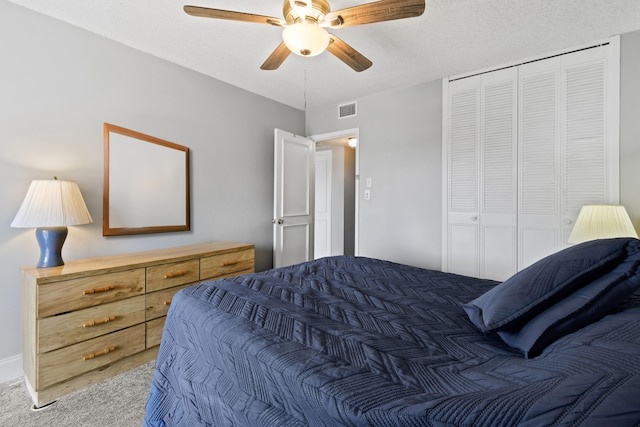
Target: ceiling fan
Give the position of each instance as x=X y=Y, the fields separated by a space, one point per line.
x=305 y=22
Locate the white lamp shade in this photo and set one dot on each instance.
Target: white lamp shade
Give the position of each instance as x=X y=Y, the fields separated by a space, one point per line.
x=602 y=222
x=52 y=203
x=305 y=38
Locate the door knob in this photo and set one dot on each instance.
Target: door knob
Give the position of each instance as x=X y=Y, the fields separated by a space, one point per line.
x=280 y=221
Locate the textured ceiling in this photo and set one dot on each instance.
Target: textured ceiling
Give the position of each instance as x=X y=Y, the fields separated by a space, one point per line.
x=451 y=37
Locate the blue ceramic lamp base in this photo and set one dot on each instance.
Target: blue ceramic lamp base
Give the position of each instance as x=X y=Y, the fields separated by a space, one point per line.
x=51 y=240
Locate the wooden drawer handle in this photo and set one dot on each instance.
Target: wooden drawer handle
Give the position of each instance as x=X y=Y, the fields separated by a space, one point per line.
x=230 y=263
x=98 y=290
x=167 y=302
x=98 y=321
x=99 y=353
x=176 y=274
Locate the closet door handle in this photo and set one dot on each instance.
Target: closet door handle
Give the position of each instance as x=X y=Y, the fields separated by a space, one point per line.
x=474 y=218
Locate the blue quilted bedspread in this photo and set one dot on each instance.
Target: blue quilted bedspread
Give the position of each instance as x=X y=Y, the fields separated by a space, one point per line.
x=358 y=341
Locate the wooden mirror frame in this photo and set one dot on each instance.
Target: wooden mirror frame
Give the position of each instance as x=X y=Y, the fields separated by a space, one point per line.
x=148 y=185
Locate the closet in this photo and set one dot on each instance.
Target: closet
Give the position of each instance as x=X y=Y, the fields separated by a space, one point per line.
x=524 y=147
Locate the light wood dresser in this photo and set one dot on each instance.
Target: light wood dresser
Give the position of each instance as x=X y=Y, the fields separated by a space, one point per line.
x=91 y=319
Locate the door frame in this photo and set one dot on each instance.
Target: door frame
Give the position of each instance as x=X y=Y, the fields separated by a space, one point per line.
x=355 y=132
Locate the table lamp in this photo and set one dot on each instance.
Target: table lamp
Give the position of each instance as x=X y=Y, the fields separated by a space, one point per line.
x=602 y=222
x=50 y=206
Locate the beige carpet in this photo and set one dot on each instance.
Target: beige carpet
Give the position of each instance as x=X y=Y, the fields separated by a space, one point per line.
x=117 y=402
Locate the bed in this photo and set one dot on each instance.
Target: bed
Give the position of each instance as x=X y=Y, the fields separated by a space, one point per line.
x=357 y=341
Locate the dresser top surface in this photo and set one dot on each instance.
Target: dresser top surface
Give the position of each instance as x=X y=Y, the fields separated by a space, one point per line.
x=132 y=260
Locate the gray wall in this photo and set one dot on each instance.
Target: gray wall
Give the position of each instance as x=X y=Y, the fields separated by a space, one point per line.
x=630 y=125
x=400 y=142
x=58 y=84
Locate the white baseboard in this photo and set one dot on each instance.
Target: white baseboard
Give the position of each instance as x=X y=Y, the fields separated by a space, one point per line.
x=11 y=368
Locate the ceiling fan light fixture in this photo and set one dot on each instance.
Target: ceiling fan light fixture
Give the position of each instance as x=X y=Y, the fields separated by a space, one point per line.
x=305 y=38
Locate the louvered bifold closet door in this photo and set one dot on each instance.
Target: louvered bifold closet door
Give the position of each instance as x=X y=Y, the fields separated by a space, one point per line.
x=590 y=160
x=498 y=189
x=481 y=216
x=539 y=171
x=527 y=147
x=564 y=160
x=462 y=163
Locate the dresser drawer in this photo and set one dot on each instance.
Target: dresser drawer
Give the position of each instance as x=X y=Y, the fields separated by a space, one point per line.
x=158 y=302
x=154 y=331
x=76 y=359
x=70 y=328
x=226 y=264
x=172 y=274
x=68 y=295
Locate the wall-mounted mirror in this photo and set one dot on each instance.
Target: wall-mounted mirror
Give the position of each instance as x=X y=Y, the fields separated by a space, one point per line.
x=146 y=184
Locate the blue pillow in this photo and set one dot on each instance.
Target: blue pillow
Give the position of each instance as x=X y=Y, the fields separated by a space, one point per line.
x=539 y=286
x=582 y=307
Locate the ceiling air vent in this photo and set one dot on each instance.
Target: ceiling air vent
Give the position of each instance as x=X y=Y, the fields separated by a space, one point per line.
x=347 y=110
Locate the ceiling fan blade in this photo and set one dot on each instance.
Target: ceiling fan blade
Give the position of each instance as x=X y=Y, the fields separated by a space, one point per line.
x=347 y=54
x=276 y=58
x=206 y=12
x=377 y=11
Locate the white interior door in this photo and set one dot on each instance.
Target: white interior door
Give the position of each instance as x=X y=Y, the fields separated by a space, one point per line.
x=293 y=207
x=322 y=221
